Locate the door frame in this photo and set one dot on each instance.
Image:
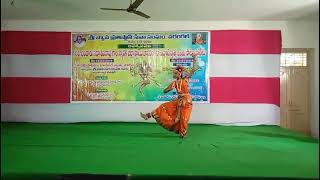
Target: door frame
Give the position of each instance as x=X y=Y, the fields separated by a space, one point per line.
x=308 y=67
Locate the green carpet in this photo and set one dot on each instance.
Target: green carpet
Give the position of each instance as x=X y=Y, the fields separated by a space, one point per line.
x=148 y=149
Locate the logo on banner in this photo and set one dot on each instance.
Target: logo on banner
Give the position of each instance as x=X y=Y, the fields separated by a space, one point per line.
x=79 y=41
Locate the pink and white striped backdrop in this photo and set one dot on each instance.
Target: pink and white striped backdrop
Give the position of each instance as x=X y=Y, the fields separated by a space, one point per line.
x=244 y=80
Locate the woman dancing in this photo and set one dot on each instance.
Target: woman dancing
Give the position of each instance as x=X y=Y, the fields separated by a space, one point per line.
x=175 y=115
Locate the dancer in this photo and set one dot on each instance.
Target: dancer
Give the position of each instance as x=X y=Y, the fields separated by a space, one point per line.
x=175 y=115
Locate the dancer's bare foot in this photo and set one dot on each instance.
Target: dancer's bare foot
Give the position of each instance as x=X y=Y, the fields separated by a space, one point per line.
x=144 y=116
x=183 y=134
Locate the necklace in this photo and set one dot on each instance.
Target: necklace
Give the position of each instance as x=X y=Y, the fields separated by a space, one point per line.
x=179 y=85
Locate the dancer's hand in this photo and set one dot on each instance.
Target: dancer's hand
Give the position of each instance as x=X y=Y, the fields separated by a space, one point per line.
x=172 y=85
x=169 y=88
x=194 y=67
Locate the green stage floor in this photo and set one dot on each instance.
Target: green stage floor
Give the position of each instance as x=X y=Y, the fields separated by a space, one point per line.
x=143 y=149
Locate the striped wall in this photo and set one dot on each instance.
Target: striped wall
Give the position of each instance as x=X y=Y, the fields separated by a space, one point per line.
x=244 y=81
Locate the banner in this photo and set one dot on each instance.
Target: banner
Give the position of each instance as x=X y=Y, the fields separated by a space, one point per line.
x=136 y=66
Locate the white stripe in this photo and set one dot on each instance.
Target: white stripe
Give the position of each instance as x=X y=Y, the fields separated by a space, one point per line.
x=15 y=65
x=236 y=113
x=244 y=65
x=225 y=114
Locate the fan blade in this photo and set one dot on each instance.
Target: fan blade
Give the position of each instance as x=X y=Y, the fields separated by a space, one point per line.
x=141 y=14
x=135 y=4
x=113 y=9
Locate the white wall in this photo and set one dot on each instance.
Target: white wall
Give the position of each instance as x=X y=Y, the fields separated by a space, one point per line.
x=295 y=34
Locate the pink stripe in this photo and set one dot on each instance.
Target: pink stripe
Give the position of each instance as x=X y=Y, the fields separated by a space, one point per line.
x=35 y=90
x=34 y=42
x=246 y=42
x=245 y=90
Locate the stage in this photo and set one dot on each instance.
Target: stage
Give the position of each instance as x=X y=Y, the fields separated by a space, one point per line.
x=140 y=150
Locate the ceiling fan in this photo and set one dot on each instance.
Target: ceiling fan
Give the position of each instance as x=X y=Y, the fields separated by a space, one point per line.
x=131 y=9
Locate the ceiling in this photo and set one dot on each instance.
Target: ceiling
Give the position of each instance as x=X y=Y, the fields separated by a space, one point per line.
x=161 y=10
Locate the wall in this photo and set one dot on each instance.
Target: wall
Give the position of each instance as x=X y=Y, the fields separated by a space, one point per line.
x=295 y=34
x=315 y=83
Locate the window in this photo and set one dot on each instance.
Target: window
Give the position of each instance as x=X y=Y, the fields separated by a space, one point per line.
x=293 y=59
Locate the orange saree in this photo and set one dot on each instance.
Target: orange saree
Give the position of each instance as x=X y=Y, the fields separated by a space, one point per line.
x=175 y=115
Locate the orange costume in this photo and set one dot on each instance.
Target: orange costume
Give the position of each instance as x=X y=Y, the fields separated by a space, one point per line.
x=175 y=115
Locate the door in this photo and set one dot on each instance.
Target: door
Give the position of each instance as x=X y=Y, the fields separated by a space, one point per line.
x=295 y=99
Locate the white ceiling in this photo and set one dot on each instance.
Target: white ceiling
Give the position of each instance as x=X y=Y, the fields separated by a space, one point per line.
x=161 y=10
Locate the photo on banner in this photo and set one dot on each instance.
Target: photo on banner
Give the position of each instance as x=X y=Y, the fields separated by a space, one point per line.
x=136 y=66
